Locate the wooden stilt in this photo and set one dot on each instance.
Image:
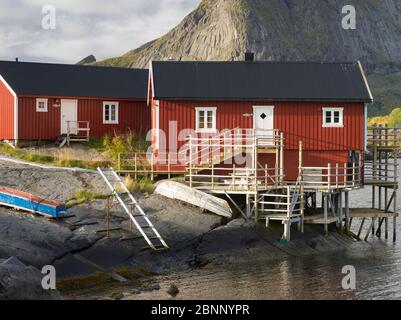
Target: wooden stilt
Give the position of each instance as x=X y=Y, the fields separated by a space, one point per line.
x=326 y=210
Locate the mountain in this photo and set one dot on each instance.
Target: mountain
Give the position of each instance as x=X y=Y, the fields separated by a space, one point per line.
x=287 y=30
x=89 y=59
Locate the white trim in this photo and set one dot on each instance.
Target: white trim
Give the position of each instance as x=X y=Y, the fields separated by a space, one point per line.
x=150 y=82
x=365 y=128
x=38 y=100
x=214 y=123
x=15 y=108
x=365 y=80
x=157 y=130
x=333 y=125
x=111 y=103
x=261 y=107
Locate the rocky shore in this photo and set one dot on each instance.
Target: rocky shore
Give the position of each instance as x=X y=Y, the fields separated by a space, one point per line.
x=78 y=246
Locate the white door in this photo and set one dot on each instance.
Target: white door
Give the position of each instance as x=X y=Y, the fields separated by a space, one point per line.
x=263 y=120
x=69 y=112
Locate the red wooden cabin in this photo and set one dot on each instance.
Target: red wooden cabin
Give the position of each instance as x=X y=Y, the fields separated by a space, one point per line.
x=324 y=105
x=37 y=100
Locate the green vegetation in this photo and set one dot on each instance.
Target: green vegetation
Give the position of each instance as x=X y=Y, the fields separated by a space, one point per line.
x=50 y=160
x=101 y=282
x=82 y=196
x=123 y=145
x=386 y=90
x=142 y=184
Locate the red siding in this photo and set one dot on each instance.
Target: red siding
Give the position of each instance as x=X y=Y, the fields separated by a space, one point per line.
x=6 y=113
x=34 y=125
x=299 y=121
x=133 y=115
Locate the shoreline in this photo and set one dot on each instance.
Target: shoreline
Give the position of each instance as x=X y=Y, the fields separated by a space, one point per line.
x=196 y=239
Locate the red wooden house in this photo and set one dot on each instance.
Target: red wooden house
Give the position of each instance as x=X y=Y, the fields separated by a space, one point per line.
x=324 y=105
x=38 y=100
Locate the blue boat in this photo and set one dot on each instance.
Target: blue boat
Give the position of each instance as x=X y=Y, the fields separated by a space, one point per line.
x=28 y=202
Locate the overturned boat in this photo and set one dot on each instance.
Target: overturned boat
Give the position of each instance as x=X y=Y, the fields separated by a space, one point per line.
x=31 y=203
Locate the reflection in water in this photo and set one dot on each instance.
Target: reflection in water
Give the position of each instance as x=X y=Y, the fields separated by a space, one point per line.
x=378 y=267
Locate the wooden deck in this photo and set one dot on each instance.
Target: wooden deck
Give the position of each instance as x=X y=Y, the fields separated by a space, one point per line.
x=371 y=213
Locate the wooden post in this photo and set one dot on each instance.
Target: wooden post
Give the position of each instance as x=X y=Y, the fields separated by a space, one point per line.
x=168 y=165
x=340 y=210
x=337 y=172
x=119 y=163
x=329 y=176
x=345 y=174
x=212 y=175
x=107 y=218
x=281 y=157
x=190 y=161
x=152 y=164
x=347 y=218
x=326 y=209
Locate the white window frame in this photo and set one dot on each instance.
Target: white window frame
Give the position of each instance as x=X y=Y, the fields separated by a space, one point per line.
x=40 y=100
x=340 y=124
x=206 y=109
x=110 y=103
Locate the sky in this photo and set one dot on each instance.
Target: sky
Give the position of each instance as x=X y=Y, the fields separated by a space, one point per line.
x=105 y=28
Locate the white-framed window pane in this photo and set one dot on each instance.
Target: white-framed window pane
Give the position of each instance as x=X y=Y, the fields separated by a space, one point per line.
x=202 y=119
x=336 y=117
x=107 y=112
x=206 y=119
x=333 y=117
x=113 y=113
x=328 y=116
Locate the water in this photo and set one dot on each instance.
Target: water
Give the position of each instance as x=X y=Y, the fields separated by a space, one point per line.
x=377 y=263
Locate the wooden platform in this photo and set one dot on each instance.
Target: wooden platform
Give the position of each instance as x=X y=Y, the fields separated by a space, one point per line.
x=370 y=213
x=318 y=218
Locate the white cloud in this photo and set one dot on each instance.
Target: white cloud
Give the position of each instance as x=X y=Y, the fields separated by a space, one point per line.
x=103 y=28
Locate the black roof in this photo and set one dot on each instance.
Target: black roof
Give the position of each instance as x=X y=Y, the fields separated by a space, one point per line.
x=74 y=80
x=279 y=81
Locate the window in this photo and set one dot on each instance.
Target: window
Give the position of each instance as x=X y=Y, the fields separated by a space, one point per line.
x=110 y=112
x=206 y=119
x=333 y=117
x=41 y=105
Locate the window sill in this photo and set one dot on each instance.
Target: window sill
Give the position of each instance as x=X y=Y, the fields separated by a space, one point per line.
x=110 y=123
x=333 y=126
x=206 y=131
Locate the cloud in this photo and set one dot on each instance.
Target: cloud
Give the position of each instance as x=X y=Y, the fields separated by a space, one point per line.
x=103 y=28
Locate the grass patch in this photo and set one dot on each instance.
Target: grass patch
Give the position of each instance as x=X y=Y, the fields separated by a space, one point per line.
x=82 y=196
x=54 y=161
x=142 y=184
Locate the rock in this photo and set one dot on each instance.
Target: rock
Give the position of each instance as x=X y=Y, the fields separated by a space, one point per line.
x=89 y=59
x=21 y=282
x=117 y=295
x=173 y=290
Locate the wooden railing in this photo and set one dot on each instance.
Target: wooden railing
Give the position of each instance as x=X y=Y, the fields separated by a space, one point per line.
x=229 y=143
x=383 y=136
x=233 y=179
x=331 y=177
x=78 y=131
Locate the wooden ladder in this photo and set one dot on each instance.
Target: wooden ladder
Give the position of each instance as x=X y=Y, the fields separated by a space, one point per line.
x=133 y=209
